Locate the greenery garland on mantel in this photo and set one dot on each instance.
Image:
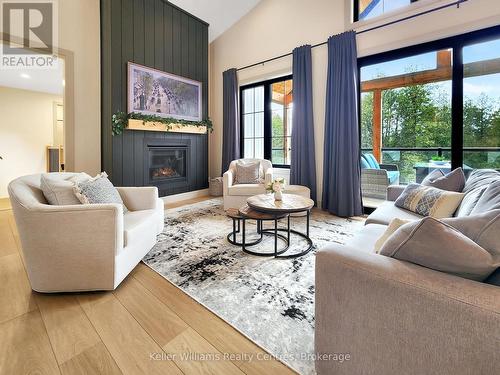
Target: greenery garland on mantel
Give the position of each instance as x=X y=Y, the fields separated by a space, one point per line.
x=120 y=121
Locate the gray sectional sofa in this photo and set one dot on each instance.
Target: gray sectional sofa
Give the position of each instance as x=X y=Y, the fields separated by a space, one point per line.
x=396 y=317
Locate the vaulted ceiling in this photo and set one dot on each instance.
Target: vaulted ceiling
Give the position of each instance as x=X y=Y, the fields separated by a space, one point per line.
x=220 y=14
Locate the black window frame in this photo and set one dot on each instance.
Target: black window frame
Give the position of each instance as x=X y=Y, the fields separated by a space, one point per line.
x=267 y=116
x=456 y=43
x=355 y=5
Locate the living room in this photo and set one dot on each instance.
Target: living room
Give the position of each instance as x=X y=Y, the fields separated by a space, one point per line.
x=251 y=186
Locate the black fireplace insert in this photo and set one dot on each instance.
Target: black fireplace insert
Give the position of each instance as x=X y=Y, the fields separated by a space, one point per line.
x=167 y=163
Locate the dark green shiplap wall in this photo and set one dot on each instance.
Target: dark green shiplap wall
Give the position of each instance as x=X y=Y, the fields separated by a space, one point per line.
x=156 y=34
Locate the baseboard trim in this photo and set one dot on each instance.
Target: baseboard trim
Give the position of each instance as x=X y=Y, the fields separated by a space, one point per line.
x=185 y=196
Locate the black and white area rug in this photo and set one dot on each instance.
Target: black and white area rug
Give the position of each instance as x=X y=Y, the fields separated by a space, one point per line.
x=271 y=301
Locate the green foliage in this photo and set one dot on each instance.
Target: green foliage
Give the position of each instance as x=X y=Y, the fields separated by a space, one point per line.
x=419 y=116
x=120 y=120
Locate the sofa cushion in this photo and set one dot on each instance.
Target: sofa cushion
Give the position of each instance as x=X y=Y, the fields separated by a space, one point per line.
x=429 y=201
x=372 y=161
x=364 y=163
x=393 y=226
x=136 y=223
x=393 y=177
x=489 y=200
x=481 y=177
x=246 y=189
x=366 y=238
x=58 y=188
x=388 y=211
x=494 y=278
x=439 y=246
x=452 y=181
x=470 y=201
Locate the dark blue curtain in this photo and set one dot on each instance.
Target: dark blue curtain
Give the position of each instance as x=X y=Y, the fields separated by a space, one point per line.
x=230 y=119
x=303 y=160
x=341 y=169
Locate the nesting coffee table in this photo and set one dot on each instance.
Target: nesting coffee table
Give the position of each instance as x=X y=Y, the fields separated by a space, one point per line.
x=263 y=208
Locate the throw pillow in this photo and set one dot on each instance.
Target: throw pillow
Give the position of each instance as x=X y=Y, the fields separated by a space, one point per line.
x=58 y=189
x=452 y=181
x=429 y=201
x=481 y=177
x=393 y=226
x=470 y=201
x=489 y=200
x=436 y=245
x=247 y=173
x=481 y=228
x=98 y=190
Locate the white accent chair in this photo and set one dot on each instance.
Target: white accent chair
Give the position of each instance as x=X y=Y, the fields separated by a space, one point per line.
x=236 y=196
x=83 y=247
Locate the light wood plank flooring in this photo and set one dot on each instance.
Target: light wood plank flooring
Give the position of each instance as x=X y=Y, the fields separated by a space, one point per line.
x=146 y=326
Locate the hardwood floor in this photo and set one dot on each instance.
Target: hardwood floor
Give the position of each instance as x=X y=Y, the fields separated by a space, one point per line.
x=146 y=326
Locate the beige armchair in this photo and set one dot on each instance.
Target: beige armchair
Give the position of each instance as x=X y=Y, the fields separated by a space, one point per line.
x=83 y=247
x=236 y=196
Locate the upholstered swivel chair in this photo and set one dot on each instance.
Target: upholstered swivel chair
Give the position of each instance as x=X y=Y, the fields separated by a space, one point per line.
x=83 y=247
x=235 y=195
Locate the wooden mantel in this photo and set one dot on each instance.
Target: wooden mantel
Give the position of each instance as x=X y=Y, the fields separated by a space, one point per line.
x=161 y=127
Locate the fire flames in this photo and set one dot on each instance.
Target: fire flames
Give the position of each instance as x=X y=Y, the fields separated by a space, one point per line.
x=165 y=172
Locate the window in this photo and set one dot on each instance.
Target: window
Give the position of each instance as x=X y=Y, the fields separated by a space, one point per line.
x=433 y=106
x=266 y=120
x=366 y=9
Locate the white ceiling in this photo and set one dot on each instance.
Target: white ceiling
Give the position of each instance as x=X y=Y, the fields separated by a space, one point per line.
x=43 y=80
x=220 y=14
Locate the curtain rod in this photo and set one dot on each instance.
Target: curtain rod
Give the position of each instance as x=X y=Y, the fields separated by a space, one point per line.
x=455 y=3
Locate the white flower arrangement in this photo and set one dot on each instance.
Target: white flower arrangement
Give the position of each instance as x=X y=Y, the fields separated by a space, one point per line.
x=276 y=186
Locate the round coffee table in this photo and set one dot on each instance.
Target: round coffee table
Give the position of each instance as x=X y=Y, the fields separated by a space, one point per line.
x=265 y=204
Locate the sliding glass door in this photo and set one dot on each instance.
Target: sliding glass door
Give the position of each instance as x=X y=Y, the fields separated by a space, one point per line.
x=481 y=132
x=433 y=106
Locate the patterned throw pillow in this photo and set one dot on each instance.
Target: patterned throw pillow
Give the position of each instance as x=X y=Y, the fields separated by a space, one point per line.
x=98 y=190
x=429 y=201
x=247 y=173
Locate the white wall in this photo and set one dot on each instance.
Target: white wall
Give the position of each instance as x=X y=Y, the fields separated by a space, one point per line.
x=26 y=128
x=275 y=27
x=79 y=32
x=79 y=40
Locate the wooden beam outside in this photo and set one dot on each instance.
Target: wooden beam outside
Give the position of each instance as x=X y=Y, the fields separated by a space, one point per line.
x=474 y=69
x=443 y=58
x=377 y=125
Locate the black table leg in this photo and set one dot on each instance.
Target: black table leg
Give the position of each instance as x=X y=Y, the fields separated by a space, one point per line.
x=288 y=228
x=307 y=229
x=243 y=235
x=234 y=228
x=275 y=237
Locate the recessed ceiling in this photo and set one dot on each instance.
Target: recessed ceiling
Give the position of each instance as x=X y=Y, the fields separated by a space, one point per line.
x=50 y=81
x=219 y=14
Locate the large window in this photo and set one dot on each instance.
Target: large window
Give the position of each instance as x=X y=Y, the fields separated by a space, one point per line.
x=266 y=120
x=433 y=106
x=366 y=9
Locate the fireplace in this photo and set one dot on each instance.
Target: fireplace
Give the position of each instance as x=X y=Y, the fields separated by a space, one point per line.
x=167 y=163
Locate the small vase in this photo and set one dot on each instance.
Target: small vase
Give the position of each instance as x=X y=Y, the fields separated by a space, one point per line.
x=277 y=195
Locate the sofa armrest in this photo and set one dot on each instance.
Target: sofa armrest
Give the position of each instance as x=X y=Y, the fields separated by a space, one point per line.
x=70 y=247
x=268 y=178
x=227 y=181
x=394 y=317
x=389 y=167
x=139 y=198
x=394 y=191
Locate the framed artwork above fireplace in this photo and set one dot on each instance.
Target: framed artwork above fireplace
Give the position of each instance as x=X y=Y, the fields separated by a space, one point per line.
x=153 y=92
